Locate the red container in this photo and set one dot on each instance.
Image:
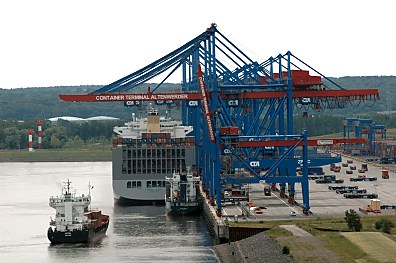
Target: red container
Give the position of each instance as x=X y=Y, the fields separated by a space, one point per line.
x=315 y=80
x=300 y=77
x=225 y=130
x=233 y=130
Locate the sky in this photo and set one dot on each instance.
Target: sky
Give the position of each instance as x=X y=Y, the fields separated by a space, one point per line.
x=48 y=43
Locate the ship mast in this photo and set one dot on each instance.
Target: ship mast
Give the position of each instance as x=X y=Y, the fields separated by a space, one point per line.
x=89 y=195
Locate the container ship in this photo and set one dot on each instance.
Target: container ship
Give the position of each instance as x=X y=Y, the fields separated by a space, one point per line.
x=145 y=151
x=182 y=193
x=75 y=221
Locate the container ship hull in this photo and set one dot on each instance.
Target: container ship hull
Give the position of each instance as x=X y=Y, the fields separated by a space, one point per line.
x=77 y=236
x=134 y=187
x=190 y=208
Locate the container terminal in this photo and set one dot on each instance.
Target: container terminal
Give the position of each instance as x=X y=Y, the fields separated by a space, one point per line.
x=252 y=163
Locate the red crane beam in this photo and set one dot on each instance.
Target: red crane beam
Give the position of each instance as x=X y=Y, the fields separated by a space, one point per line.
x=288 y=143
x=353 y=94
x=129 y=97
x=359 y=94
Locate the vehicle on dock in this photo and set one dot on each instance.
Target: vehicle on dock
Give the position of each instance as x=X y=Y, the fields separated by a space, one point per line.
x=75 y=221
x=387 y=160
x=342 y=187
x=352 y=191
x=267 y=191
x=385 y=207
x=235 y=195
x=182 y=193
x=329 y=179
x=315 y=170
x=385 y=174
x=335 y=168
x=312 y=171
x=357 y=195
x=362 y=178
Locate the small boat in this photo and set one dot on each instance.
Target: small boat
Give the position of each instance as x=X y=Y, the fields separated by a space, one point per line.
x=182 y=193
x=75 y=221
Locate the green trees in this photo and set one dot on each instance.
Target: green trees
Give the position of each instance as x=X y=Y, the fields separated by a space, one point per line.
x=14 y=134
x=353 y=220
x=385 y=225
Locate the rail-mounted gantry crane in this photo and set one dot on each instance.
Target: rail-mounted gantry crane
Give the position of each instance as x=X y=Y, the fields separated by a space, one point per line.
x=242 y=112
x=362 y=128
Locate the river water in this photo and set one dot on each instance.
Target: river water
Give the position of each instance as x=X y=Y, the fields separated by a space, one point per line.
x=135 y=234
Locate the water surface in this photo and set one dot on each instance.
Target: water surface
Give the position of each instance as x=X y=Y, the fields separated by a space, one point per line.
x=135 y=234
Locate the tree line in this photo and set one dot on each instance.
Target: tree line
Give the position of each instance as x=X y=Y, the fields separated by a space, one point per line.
x=65 y=134
x=44 y=102
x=21 y=108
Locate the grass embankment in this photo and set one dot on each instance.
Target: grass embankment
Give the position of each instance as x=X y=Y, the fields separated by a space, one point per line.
x=331 y=232
x=87 y=153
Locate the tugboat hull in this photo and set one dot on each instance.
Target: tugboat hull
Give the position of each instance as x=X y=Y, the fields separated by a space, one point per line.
x=184 y=210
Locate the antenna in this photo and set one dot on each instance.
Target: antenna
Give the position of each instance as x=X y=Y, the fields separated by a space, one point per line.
x=89 y=188
x=67 y=186
x=89 y=195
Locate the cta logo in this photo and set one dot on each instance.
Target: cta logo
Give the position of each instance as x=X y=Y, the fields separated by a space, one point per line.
x=226 y=151
x=193 y=103
x=255 y=164
x=233 y=103
x=305 y=101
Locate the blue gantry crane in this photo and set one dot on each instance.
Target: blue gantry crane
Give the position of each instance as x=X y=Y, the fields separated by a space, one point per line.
x=242 y=112
x=362 y=128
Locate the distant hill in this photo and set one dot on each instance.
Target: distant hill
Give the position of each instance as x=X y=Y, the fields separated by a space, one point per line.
x=386 y=86
x=44 y=103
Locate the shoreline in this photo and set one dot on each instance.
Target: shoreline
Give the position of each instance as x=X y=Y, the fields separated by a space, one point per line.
x=55 y=159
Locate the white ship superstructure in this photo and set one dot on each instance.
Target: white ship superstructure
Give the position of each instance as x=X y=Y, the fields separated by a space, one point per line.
x=69 y=210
